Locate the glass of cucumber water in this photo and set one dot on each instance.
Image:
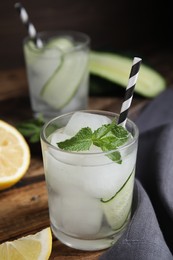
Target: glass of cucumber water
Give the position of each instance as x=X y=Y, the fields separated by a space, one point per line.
x=89 y=164
x=58 y=75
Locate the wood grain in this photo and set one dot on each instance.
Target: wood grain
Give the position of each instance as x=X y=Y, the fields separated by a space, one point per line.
x=13 y=84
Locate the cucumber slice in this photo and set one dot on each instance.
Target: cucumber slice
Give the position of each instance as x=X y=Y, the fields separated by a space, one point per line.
x=32 y=53
x=31 y=45
x=117 y=209
x=44 y=56
x=64 y=44
x=63 y=84
x=116 y=68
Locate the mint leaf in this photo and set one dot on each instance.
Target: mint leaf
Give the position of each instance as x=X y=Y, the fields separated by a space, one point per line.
x=120 y=132
x=108 y=146
x=103 y=131
x=111 y=136
x=31 y=129
x=114 y=156
x=80 y=142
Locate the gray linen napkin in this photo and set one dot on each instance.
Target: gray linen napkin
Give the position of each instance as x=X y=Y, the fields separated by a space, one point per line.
x=149 y=235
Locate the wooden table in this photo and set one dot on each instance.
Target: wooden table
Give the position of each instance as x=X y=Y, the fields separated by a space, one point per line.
x=24 y=207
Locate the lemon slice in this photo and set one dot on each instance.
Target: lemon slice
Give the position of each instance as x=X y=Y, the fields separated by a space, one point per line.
x=31 y=247
x=14 y=155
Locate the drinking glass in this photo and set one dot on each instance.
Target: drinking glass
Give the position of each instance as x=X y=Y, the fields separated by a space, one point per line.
x=58 y=75
x=89 y=195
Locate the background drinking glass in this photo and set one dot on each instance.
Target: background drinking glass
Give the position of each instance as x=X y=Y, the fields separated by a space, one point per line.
x=58 y=74
x=89 y=195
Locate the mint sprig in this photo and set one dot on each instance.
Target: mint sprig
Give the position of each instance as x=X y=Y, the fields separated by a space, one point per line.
x=108 y=137
x=80 y=142
x=31 y=129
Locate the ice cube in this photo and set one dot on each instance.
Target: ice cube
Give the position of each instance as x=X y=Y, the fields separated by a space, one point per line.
x=81 y=215
x=58 y=136
x=62 y=176
x=60 y=155
x=41 y=67
x=105 y=180
x=82 y=119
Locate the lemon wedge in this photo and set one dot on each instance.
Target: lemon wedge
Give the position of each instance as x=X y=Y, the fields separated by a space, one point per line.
x=31 y=247
x=14 y=155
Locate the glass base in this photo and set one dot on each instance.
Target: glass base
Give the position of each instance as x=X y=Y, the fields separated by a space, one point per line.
x=50 y=113
x=85 y=244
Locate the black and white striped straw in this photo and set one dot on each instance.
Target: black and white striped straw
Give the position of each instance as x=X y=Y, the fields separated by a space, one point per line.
x=30 y=27
x=129 y=91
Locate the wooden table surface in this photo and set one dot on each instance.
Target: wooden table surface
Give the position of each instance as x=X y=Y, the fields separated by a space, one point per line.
x=24 y=207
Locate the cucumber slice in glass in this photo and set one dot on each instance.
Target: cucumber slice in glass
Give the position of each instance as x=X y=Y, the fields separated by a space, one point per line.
x=64 y=43
x=117 y=209
x=53 y=46
x=63 y=84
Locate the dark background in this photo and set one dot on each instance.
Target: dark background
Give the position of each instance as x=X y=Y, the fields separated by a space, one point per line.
x=130 y=27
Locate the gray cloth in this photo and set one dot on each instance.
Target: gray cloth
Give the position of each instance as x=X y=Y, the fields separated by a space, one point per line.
x=149 y=235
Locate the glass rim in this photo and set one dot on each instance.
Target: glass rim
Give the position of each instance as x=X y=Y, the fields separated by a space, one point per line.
x=55 y=33
x=84 y=153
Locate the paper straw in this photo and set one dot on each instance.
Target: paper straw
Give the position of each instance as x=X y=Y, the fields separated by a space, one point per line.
x=129 y=91
x=30 y=27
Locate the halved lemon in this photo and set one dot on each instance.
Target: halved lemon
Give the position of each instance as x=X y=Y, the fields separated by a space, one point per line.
x=31 y=247
x=14 y=155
